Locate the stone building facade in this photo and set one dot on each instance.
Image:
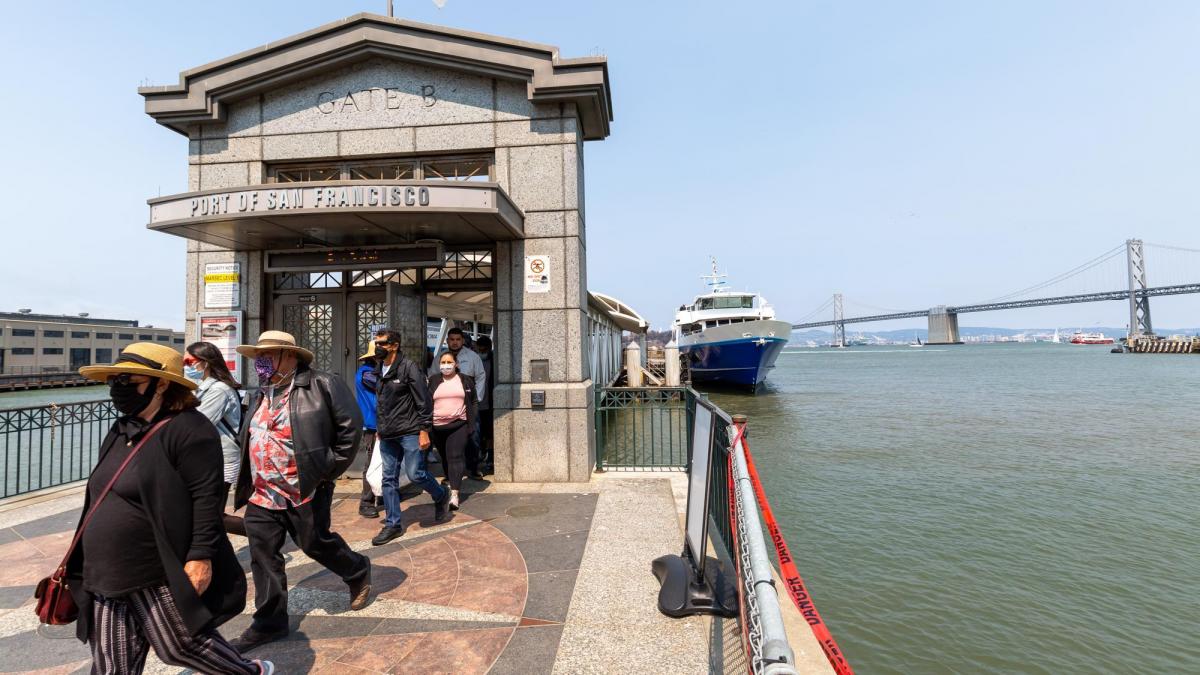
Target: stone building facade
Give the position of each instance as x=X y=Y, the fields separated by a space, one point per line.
x=372 y=134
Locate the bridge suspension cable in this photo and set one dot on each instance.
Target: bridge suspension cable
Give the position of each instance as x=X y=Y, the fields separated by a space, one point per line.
x=824 y=307
x=874 y=308
x=1073 y=272
x=1173 y=264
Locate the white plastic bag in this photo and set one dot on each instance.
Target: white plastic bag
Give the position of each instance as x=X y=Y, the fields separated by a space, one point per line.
x=375 y=470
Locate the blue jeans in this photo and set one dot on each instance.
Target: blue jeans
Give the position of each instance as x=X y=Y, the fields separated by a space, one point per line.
x=404 y=450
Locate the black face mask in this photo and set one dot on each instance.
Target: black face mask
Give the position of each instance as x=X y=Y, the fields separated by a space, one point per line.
x=127 y=400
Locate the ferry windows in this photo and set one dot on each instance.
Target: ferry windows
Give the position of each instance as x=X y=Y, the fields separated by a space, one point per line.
x=52 y=351
x=103 y=336
x=145 y=337
x=80 y=334
x=22 y=351
x=104 y=355
x=52 y=333
x=125 y=336
x=24 y=332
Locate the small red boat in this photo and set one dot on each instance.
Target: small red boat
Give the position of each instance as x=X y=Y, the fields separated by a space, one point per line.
x=1081 y=338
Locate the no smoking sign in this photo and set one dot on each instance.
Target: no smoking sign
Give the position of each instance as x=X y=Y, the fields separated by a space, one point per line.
x=537 y=274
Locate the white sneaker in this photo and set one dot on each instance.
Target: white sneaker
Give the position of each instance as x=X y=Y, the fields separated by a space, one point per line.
x=454 y=500
x=265 y=667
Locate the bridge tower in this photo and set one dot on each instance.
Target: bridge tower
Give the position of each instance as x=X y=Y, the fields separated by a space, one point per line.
x=839 y=321
x=1139 y=305
x=943 y=327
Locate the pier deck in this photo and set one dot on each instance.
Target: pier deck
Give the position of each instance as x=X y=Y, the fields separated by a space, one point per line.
x=525 y=578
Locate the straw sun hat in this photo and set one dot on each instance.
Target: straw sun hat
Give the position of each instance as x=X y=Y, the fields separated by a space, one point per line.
x=143 y=358
x=273 y=340
x=370 y=351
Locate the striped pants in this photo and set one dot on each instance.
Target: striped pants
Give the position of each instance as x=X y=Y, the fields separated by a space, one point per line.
x=123 y=629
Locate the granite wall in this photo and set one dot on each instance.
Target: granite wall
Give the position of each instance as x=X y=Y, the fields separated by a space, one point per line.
x=387 y=108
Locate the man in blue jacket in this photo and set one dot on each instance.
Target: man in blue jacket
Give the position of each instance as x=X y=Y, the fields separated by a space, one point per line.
x=365 y=382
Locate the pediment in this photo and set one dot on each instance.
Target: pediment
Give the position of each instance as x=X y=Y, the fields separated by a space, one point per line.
x=204 y=94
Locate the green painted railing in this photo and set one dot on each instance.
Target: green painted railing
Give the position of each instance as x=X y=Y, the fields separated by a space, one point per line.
x=644 y=428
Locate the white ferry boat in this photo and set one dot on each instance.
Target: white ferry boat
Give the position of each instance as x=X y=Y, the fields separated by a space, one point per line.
x=729 y=337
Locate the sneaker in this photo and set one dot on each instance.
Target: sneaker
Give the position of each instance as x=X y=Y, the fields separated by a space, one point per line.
x=387 y=534
x=252 y=637
x=454 y=500
x=368 y=510
x=442 y=506
x=265 y=667
x=360 y=592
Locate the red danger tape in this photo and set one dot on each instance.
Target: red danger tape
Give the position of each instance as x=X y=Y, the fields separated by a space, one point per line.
x=791 y=576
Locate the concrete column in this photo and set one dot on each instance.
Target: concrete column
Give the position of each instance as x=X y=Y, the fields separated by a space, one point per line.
x=943 y=327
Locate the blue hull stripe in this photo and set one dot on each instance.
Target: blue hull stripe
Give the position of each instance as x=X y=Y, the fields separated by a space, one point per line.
x=738 y=362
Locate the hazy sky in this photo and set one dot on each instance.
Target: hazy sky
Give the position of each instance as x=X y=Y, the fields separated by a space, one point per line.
x=904 y=153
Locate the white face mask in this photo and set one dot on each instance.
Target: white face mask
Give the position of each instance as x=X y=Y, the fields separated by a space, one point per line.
x=447 y=369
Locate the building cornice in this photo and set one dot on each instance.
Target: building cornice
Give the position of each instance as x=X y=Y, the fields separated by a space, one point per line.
x=203 y=93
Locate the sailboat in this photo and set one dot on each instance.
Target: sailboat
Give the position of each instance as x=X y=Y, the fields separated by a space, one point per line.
x=1056 y=339
x=916 y=342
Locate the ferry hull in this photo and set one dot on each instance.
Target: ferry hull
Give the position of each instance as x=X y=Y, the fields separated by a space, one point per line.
x=737 y=361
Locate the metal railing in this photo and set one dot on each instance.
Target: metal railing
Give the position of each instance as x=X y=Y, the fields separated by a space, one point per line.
x=51 y=445
x=643 y=428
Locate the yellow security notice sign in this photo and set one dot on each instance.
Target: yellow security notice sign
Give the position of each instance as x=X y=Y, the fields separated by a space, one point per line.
x=222 y=285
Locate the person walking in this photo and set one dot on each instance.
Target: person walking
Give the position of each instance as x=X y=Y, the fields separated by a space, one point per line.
x=366 y=381
x=455 y=416
x=153 y=567
x=203 y=362
x=485 y=434
x=301 y=432
x=404 y=419
x=471 y=365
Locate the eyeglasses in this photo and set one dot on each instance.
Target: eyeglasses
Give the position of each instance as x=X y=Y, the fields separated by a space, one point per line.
x=123 y=379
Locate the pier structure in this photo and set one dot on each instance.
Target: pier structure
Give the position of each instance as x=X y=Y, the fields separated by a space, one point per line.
x=380 y=172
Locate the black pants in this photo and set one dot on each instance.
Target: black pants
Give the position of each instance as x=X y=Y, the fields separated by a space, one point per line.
x=366 y=447
x=308 y=526
x=451 y=442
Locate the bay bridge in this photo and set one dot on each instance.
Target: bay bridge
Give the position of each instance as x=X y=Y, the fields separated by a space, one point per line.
x=1127 y=261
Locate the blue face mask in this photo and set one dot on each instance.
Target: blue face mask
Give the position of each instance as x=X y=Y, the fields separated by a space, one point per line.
x=193 y=373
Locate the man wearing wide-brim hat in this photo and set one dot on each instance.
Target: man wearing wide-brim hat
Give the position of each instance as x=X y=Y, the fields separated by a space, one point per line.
x=300 y=432
x=153 y=565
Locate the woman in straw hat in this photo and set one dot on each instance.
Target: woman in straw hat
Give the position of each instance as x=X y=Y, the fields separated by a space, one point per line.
x=154 y=567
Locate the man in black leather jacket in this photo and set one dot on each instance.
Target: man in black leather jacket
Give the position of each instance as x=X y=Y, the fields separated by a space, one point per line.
x=301 y=431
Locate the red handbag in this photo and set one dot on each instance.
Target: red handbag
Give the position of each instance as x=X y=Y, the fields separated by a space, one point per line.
x=55 y=606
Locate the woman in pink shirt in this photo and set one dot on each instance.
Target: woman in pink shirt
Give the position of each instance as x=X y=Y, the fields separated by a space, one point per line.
x=455 y=414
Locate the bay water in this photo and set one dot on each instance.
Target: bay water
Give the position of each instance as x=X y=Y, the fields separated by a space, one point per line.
x=1008 y=508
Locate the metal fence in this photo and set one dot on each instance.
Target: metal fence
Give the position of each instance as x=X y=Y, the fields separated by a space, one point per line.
x=51 y=445
x=643 y=427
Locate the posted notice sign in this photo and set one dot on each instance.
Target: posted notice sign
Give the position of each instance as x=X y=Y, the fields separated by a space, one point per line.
x=222 y=285
x=537 y=274
x=223 y=329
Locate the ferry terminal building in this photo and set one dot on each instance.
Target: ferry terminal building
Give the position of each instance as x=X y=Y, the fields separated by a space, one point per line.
x=379 y=171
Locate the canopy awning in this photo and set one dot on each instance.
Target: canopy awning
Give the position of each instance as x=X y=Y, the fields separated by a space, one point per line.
x=621 y=314
x=340 y=213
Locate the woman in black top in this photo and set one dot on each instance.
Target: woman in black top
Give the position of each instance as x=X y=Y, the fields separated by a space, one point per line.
x=154 y=567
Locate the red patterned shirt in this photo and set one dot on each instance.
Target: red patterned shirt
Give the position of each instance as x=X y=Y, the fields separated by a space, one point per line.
x=275 y=477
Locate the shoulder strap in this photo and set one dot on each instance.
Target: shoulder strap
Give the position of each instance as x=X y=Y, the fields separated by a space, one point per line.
x=108 y=488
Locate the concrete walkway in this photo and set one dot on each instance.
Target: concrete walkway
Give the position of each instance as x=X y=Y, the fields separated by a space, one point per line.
x=525 y=578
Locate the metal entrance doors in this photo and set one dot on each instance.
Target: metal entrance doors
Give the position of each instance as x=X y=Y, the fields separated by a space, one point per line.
x=335 y=326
